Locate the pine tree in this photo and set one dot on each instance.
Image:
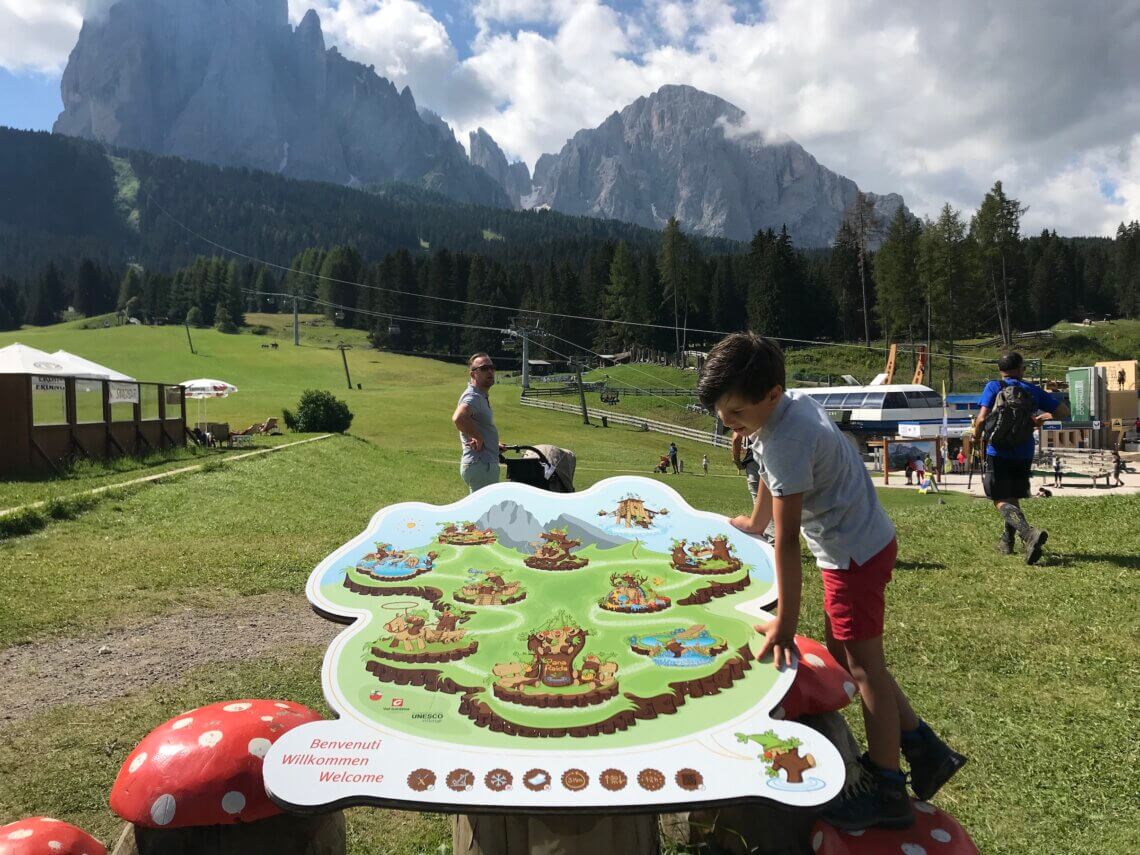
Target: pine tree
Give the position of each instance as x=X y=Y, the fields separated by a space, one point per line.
x=131 y=286
x=85 y=298
x=222 y=320
x=47 y=298
x=339 y=272
x=866 y=228
x=943 y=271
x=995 y=232
x=618 y=301
x=900 y=303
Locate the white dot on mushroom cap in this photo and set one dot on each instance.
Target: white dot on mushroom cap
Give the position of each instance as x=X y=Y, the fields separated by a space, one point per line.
x=162 y=811
x=20 y=834
x=49 y=819
x=941 y=835
x=849 y=688
x=816 y=841
x=236 y=707
x=210 y=738
x=912 y=849
x=137 y=762
x=259 y=747
x=233 y=802
x=282 y=706
x=858 y=833
x=181 y=723
x=813 y=660
x=55 y=845
x=267 y=718
x=925 y=807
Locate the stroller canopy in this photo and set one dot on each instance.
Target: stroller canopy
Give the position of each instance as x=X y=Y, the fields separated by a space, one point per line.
x=563 y=461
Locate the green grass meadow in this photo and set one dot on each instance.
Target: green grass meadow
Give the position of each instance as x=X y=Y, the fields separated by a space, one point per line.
x=1031 y=671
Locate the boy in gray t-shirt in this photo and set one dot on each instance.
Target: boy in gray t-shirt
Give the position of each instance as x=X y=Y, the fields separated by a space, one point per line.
x=812 y=479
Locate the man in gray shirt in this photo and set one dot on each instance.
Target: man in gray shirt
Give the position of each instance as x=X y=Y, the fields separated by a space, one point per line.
x=479 y=465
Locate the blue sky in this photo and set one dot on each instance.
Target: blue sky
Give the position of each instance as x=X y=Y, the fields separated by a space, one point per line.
x=30 y=100
x=933 y=101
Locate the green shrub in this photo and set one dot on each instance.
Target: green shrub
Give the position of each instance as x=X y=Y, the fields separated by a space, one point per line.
x=318 y=412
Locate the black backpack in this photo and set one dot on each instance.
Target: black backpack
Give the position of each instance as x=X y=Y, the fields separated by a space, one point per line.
x=1010 y=422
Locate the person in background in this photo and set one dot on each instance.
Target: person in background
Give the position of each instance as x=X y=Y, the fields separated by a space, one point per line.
x=742 y=458
x=1056 y=470
x=479 y=465
x=1011 y=410
x=673 y=456
x=910 y=471
x=1117 y=468
x=705 y=463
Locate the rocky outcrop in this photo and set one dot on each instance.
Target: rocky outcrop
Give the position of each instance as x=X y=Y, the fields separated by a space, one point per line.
x=233 y=84
x=514 y=178
x=685 y=153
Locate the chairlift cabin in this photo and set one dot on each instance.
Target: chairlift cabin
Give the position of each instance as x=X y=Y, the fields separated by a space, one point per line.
x=393 y=328
x=339 y=315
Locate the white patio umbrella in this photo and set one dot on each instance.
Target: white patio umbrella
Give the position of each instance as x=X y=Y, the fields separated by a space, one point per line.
x=81 y=367
x=203 y=389
x=20 y=359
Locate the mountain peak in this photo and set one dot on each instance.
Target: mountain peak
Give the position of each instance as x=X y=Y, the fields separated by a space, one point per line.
x=685 y=153
x=229 y=82
x=309 y=31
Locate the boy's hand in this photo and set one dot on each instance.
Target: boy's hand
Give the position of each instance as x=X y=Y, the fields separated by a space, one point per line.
x=744 y=523
x=780 y=642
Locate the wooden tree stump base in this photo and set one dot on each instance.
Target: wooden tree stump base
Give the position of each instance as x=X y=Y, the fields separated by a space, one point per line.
x=590 y=834
x=284 y=834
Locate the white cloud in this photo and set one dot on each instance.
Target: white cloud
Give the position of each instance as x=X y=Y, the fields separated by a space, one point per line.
x=37 y=35
x=935 y=101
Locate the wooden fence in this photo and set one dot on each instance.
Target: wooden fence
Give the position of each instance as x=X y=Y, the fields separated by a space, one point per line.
x=676 y=431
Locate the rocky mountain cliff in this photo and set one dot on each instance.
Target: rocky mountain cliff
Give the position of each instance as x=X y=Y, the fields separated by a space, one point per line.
x=230 y=82
x=514 y=178
x=683 y=152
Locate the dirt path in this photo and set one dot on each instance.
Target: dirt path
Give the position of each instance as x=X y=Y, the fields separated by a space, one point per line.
x=37 y=676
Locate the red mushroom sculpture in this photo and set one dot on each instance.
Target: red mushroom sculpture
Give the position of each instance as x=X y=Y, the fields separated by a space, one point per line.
x=201 y=771
x=42 y=835
x=934 y=832
x=822 y=685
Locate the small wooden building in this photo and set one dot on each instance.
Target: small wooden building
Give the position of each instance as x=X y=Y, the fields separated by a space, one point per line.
x=50 y=419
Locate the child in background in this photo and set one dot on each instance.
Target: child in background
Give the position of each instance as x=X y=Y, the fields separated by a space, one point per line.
x=813 y=479
x=705 y=463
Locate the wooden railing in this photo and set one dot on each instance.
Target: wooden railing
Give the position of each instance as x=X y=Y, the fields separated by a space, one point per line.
x=678 y=431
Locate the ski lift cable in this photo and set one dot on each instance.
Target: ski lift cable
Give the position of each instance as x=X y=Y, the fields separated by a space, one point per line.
x=411 y=319
x=274 y=266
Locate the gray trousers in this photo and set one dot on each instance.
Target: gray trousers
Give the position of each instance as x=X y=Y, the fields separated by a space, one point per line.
x=478 y=474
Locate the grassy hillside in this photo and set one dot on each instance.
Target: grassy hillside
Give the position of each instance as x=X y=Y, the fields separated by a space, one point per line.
x=1025 y=669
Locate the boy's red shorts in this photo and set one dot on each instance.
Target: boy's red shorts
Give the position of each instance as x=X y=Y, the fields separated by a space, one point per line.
x=853 y=598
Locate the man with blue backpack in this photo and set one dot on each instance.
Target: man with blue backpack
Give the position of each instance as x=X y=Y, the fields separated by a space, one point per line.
x=1011 y=410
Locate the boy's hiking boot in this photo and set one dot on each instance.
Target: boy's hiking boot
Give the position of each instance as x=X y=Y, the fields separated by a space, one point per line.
x=932 y=761
x=1033 y=543
x=1005 y=545
x=877 y=798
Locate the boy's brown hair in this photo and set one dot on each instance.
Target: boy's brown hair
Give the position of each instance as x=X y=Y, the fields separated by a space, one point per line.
x=743 y=363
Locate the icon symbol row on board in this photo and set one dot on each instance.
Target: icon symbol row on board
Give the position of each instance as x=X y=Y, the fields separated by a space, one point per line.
x=538 y=780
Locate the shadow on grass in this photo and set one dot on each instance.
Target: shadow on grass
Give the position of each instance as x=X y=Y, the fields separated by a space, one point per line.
x=1125 y=562
x=919 y=565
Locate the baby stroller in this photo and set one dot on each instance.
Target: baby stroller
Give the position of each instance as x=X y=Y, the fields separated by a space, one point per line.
x=662 y=464
x=547 y=467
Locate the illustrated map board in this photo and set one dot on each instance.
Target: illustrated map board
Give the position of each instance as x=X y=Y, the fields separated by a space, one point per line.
x=521 y=650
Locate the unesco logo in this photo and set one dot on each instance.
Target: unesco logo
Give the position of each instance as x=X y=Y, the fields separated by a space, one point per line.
x=427 y=716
